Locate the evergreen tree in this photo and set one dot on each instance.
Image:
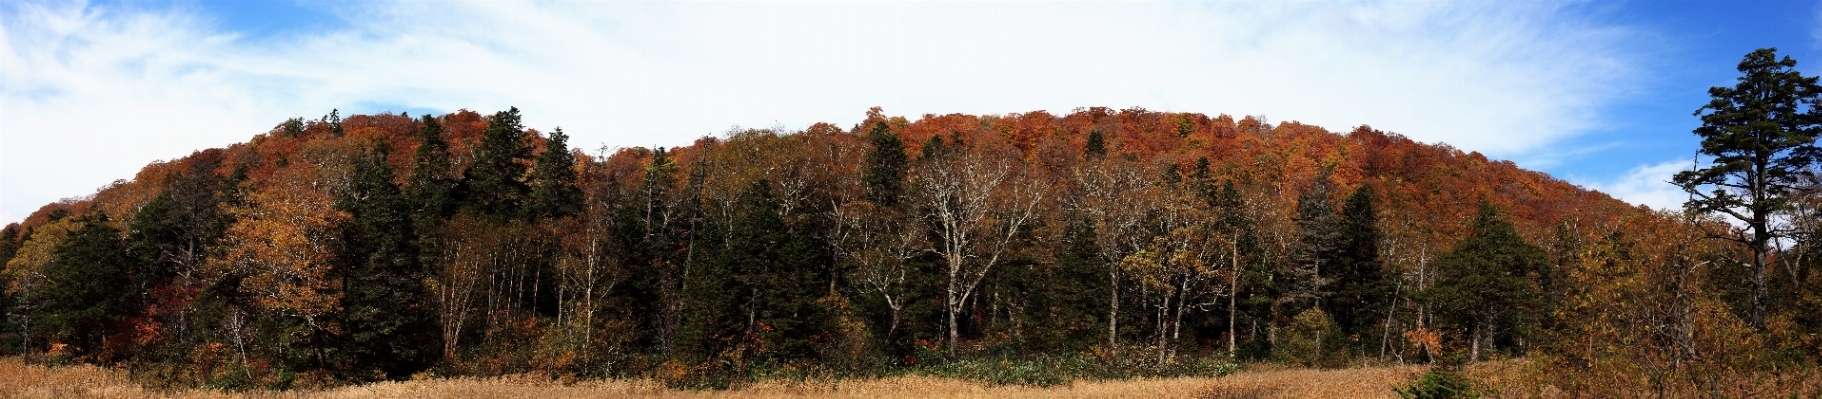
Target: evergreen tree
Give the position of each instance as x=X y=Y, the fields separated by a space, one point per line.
x=90 y=288
x=1097 y=145
x=385 y=328
x=933 y=149
x=292 y=127
x=175 y=231
x=431 y=189
x=1488 y=286
x=557 y=193
x=711 y=326
x=648 y=244
x=1068 y=301
x=494 y=185
x=1361 y=285
x=334 y=120
x=884 y=174
x=1318 y=244
x=10 y=241
x=774 y=268
x=1762 y=141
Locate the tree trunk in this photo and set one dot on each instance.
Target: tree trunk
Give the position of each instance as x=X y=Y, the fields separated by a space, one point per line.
x=1233 y=294
x=1113 y=308
x=953 y=303
x=1163 y=323
x=1391 y=308
x=892 y=329
x=1474 y=344
x=1759 y=284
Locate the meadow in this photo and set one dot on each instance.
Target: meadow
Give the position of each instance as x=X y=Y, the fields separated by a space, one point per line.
x=21 y=380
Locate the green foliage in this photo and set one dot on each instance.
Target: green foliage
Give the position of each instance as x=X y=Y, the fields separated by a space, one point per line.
x=385 y=326
x=1760 y=136
x=1317 y=253
x=494 y=184
x=1488 y=286
x=89 y=289
x=775 y=272
x=334 y=121
x=430 y=189
x=1312 y=340
x=557 y=193
x=933 y=149
x=1362 y=287
x=1097 y=145
x=292 y=127
x=1762 y=142
x=884 y=173
x=1068 y=298
x=1438 y=383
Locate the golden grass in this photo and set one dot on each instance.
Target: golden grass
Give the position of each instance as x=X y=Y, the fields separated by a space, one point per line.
x=1267 y=381
x=19 y=380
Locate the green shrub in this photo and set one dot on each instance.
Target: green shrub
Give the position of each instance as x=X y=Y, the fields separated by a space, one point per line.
x=1439 y=383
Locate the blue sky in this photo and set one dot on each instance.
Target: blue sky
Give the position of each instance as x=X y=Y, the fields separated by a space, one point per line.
x=1597 y=93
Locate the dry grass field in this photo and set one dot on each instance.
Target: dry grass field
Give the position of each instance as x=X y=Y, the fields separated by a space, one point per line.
x=18 y=380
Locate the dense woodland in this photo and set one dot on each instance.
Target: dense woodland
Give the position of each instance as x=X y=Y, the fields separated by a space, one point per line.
x=383 y=246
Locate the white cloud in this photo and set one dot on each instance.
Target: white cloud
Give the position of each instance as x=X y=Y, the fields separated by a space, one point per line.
x=1647 y=185
x=1815 y=31
x=91 y=93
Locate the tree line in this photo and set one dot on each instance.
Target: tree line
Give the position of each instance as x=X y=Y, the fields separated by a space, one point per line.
x=381 y=246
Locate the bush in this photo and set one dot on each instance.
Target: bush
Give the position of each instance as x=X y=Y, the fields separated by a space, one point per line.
x=1312 y=340
x=1439 y=383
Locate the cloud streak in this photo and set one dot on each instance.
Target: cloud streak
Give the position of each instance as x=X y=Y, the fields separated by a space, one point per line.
x=1648 y=185
x=139 y=84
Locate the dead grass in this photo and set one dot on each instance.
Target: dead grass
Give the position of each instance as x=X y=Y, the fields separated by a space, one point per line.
x=1268 y=381
x=18 y=380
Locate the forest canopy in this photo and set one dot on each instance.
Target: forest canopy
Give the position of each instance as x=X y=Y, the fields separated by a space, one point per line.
x=1147 y=243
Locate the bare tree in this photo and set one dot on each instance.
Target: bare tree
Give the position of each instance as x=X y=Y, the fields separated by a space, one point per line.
x=977 y=201
x=1113 y=193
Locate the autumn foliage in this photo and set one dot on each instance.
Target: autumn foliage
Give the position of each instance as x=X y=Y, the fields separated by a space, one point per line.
x=1122 y=242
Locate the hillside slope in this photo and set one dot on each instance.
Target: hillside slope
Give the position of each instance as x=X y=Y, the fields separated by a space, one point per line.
x=347 y=250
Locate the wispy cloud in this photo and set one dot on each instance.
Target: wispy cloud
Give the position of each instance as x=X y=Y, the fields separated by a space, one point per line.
x=1815 y=30
x=133 y=84
x=1647 y=185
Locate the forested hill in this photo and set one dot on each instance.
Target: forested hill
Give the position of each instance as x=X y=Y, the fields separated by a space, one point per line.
x=1282 y=161
x=382 y=245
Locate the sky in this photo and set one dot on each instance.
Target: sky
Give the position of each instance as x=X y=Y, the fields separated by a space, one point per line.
x=1599 y=94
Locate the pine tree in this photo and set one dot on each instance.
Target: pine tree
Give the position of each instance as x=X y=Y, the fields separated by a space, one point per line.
x=1097 y=145
x=1068 y=300
x=711 y=325
x=557 y=193
x=90 y=288
x=1763 y=143
x=886 y=164
x=774 y=268
x=1489 y=283
x=1318 y=242
x=1361 y=286
x=430 y=189
x=384 y=325
x=292 y=127
x=334 y=121
x=933 y=149
x=494 y=185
